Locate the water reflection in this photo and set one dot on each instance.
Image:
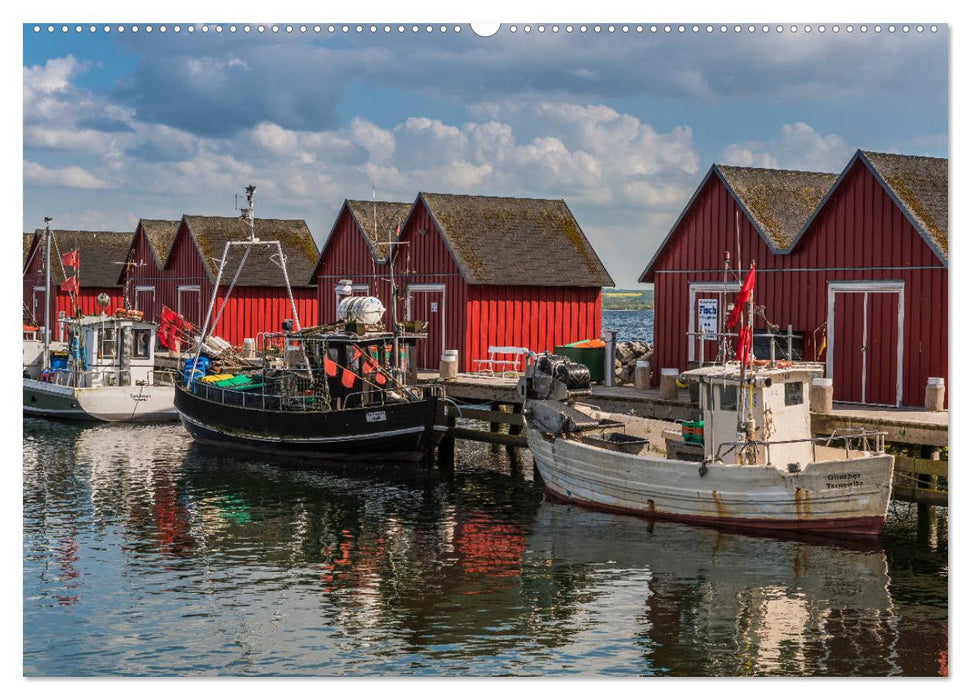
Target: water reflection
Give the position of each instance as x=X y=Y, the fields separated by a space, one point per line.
x=146 y=554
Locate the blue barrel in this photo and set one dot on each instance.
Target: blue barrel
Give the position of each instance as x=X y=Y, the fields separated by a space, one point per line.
x=202 y=366
x=58 y=362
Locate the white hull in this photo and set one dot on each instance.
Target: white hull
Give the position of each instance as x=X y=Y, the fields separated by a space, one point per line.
x=110 y=404
x=847 y=496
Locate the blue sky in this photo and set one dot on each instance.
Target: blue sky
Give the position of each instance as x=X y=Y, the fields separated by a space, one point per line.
x=621 y=126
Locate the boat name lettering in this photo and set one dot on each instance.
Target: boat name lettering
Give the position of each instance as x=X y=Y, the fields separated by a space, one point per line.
x=140 y=397
x=376 y=416
x=843 y=481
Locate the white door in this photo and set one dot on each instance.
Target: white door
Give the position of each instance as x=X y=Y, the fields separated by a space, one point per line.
x=426 y=302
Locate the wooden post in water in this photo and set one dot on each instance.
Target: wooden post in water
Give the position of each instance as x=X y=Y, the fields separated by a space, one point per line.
x=926 y=514
x=446 y=449
x=514 y=429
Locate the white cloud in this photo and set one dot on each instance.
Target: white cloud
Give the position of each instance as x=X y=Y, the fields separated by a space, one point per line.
x=797 y=147
x=71 y=176
x=53 y=76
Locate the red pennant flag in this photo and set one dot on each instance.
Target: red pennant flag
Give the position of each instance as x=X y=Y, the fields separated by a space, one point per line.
x=370 y=366
x=347 y=379
x=357 y=354
x=70 y=259
x=70 y=285
x=379 y=379
x=330 y=367
x=742 y=298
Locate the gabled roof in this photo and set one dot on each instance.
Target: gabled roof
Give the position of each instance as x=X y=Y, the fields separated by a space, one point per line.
x=160 y=234
x=918 y=185
x=101 y=254
x=515 y=241
x=376 y=220
x=211 y=233
x=778 y=203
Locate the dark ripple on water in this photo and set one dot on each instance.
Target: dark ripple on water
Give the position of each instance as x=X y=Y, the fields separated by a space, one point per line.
x=145 y=554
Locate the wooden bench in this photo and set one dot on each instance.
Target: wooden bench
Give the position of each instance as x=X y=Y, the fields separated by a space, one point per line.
x=488 y=366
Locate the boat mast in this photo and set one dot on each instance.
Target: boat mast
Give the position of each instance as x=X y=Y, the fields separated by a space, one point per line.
x=47 y=291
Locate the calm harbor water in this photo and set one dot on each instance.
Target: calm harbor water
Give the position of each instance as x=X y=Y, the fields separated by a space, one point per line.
x=630 y=325
x=146 y=554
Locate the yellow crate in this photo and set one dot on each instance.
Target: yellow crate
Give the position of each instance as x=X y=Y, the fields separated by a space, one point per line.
x=215 y=378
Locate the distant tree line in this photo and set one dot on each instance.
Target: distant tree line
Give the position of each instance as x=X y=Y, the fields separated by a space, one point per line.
x=627 y=299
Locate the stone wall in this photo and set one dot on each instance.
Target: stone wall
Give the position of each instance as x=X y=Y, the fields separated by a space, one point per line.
x=626 y=357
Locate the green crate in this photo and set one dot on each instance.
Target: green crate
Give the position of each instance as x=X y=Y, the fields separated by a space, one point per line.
x=592 y=358
x=693 y=431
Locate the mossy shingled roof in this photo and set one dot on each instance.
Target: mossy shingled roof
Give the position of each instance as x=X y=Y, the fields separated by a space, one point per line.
x=211 y=233
x=101 y=254
x=516 y=241
x=778 y=202
x=378 y=220
x=160 y=234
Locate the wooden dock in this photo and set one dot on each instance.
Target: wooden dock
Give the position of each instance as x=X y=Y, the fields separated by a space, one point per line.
x=918 y=436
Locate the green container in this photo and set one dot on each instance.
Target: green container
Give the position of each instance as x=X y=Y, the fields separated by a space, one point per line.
x=693 y=431
x=592 y=358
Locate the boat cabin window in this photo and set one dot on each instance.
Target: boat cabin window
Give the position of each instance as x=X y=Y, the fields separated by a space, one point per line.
x=794 y=393
x=107 y=347
x=728 y=397
x=142 y=343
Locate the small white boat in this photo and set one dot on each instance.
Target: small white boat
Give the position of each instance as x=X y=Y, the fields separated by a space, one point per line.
x=757 y=466
x=107 y=373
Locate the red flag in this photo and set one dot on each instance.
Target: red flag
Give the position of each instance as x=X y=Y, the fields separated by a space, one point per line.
x=357 y=354
x=70 y=259
x=742 y=298
x=347 y=379
x=330 y=367
x=370 y=366
x=744 y=344
x=379 y=379
x=70 y=285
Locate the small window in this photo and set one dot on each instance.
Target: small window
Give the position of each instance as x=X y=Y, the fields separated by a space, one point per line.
x=108 y=342
x=142 y=344
x=794 y=393
x=729 y=398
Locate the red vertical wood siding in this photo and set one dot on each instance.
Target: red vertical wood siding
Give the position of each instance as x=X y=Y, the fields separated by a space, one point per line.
x=346 y=255
x=859 y=235
x=250 y=310
x=477 y=316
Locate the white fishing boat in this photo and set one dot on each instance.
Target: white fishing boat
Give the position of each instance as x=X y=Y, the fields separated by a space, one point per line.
x=104 y=372
x=768 y=473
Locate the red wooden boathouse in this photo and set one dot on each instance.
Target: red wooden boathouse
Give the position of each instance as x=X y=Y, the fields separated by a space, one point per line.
x=355 y=251
x=185 y=279
x=101 y=255
x=856 y=262
x=502 y=271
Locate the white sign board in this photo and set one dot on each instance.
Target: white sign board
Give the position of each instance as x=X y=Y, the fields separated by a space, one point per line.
x=708 y=318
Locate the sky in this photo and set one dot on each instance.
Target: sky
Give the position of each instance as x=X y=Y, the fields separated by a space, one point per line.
x=622 y=126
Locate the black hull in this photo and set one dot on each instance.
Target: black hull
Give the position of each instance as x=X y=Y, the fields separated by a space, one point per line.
x=394 y=432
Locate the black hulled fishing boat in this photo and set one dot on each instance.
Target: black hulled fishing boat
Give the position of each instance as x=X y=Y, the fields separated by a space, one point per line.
x=334 y=393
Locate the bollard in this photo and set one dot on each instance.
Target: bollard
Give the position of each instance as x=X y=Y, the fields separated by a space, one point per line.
x=821 y=395
x=934 y=394
x=610 y=350
x=642 y=375
x=669 y=383
x=449 y=367
x=249 y=349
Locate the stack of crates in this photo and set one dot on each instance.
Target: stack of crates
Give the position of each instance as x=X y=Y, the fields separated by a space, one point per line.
x=693 y=431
